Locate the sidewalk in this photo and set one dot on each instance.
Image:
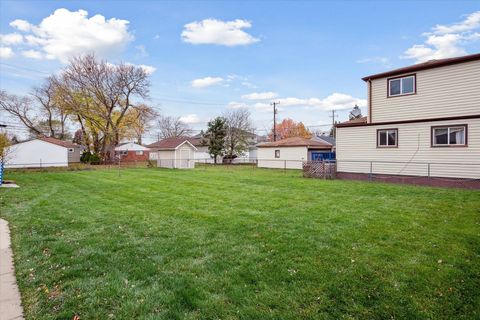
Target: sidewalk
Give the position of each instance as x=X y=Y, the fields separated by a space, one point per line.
x=10 y=303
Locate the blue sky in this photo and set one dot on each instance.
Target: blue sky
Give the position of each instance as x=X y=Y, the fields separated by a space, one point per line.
x=310 y=56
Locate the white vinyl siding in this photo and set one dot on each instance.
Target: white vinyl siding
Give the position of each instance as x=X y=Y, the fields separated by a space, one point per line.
x=356 y=147
x=290 y=157
x=35 y=154
x=441 y=92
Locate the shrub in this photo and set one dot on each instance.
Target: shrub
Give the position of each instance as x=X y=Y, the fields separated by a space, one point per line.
x=95 y=158
x=85 y=157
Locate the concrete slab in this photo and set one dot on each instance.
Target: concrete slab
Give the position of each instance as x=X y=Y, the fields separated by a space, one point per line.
x=10 y=302
x=9 y=185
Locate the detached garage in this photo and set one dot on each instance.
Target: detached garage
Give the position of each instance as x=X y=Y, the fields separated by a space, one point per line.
x=42 y=152
x=290 y=153
x=178 y=153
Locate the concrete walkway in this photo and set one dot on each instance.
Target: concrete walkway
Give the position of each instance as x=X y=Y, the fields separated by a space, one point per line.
x=10 y=303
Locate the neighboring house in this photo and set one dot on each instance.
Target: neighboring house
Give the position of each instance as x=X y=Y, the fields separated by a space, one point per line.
x=131 y=151
x=423 y=120
x=174 y=153
x=290 y=153
x=43 y=152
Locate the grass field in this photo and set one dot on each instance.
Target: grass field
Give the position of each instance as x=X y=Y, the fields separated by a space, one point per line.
x=240 y=243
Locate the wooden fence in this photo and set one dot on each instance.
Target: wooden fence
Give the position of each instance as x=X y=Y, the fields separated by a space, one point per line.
x=319 y=169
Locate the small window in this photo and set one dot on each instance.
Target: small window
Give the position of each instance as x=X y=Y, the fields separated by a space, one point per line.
x=401 y=86
x=123 y=152
x=277 y=153
x=387 y=138
x=139 y=153
x=449 y=136
x=71 y=150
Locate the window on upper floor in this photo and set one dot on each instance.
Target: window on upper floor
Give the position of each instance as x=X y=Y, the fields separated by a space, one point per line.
x=447 y=136
x=402 y=86
x=387 y=138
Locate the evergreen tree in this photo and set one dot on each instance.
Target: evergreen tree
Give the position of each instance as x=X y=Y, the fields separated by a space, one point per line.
x=215 y=137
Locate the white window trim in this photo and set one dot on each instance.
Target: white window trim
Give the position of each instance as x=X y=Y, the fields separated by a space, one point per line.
x=386 y=132
x=401 y=86
x=448 y=144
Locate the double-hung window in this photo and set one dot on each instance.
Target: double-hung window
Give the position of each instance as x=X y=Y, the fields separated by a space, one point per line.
x=402 y=86
x=387 y=138
x=446 y=136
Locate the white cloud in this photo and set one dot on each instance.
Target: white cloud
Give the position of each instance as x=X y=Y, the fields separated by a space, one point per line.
x=190 y=119
x=260 y=96
x=156 y=37
x=446 y=41
x=206 y=82
x=147 y=69
x=470 y=23
x=65 y=34
x=212 y=31
x=337 y=101
x=32 y=54
x=237 y=105
x=6 y=52
x=11 y=39
x=21 y=25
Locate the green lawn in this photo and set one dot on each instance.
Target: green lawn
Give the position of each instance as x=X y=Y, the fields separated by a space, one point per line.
x=240 y=243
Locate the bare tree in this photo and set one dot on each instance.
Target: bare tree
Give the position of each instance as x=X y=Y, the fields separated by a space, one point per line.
x=99 y=94
x=239 y=132
x=173 y=127
x=21 y=107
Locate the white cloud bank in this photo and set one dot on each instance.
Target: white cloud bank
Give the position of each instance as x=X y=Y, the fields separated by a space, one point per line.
x=337 y=101
x=260 y=96
x=65 y=34
x=190 y=119
x=6 y=52
x=213 y=31
x=446 y=41
x=206 y=82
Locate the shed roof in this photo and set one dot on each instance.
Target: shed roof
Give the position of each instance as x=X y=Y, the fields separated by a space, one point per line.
x=296 y=142
x=170 y=143
x=425 y=65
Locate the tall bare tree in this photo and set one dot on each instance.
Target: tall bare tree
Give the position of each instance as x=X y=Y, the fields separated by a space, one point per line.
x=239 y=132
x=100 y=94
x=170 y=127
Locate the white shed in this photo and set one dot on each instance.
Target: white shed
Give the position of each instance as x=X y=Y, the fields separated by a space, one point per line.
x=176 y=153
x=42 y=152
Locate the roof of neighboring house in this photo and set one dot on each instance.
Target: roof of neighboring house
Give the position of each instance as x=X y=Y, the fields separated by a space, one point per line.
x=296 y=142
x=130 y=146
x=425 y=65
x=170 y=143
x=351 y=123
x=58 y=142
x=328 y=139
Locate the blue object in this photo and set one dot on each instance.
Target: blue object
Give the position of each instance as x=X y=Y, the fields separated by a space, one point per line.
x=321 y=156
x=1 y=172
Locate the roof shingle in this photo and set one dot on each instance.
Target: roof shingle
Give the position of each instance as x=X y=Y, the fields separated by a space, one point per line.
x=296 y=142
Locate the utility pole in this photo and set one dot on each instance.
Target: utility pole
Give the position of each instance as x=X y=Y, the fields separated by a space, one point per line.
x=333 y=116
x=274 y=104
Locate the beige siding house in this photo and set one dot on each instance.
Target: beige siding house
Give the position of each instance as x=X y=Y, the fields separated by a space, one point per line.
x=423 y=120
